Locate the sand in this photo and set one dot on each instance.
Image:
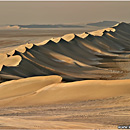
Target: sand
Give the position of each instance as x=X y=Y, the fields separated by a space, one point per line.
x=50 y=89
x=50 y=104
x=77 y=81
x=26 y=86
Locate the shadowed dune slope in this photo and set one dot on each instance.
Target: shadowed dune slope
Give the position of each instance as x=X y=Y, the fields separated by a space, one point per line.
x=102 y=54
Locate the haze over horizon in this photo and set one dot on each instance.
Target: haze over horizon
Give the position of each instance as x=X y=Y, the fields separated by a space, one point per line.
x=63 y=12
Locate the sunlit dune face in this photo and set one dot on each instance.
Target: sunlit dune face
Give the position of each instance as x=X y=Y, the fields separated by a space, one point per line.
x=42 y=43
x=68 y=37
x=61 y=58
x=56 y=40
x=83 y=35
x=100 y=32
x=11 y=61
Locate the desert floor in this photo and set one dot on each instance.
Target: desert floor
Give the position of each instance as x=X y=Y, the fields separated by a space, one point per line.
x=105 y=113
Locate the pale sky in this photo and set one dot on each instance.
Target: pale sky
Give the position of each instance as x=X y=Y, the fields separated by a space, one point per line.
x=63 y=12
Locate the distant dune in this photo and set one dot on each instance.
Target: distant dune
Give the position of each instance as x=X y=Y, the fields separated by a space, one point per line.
x=15 y=27
x=47 y=26
x=103 y=23
x=57 y=26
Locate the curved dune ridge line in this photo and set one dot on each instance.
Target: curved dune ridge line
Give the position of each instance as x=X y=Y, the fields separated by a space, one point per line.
x=102 y=54
x=24 y=86
x=49 y=89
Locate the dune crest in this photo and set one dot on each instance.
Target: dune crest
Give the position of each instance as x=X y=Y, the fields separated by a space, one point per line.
x=101 y=32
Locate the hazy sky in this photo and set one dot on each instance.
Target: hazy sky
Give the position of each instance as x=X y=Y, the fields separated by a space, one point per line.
x=62 y=12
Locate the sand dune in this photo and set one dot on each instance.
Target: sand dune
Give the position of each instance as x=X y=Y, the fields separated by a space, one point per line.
x=25 y=86
x=49 y=90
x=10 y=27
x=102 y=54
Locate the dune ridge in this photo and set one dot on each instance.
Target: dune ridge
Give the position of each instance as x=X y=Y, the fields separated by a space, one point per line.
x=102 y=54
